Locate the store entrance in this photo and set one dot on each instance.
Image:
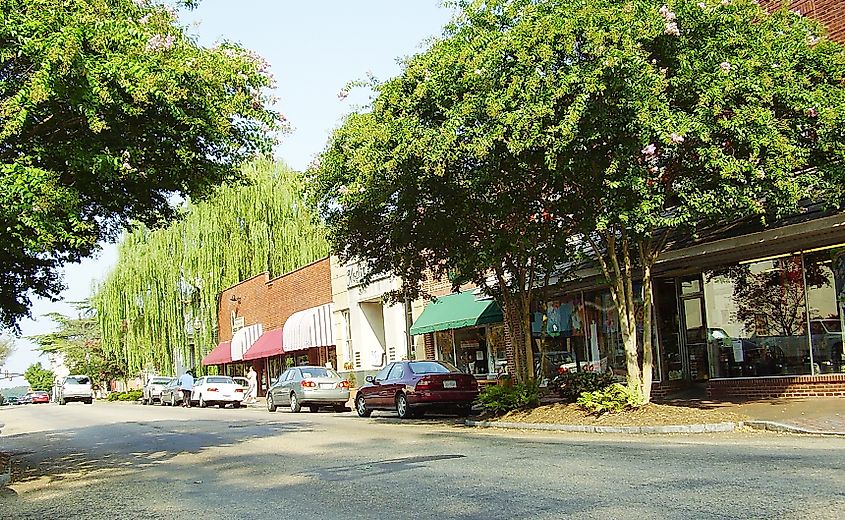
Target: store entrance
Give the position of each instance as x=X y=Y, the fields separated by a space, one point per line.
x=682 y=327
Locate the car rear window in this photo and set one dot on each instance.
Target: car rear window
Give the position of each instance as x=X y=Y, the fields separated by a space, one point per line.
x=78 y=380
x=160 y=380
x=219 y=380
x=431 y=367
x=318 y=372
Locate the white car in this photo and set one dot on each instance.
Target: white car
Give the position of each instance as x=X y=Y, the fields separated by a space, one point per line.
x=153 y=388
x=219 y=390
x=75 y=388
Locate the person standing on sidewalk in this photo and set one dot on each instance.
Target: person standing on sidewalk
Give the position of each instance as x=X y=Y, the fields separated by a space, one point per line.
x=186 y=385
x=252 y=390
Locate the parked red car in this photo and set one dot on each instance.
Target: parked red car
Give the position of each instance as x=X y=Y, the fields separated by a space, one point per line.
x=412 y=387
x=40 y=397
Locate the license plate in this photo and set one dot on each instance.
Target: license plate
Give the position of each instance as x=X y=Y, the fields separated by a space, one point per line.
x=326 y=386
x=227 y=396
x=450 y=384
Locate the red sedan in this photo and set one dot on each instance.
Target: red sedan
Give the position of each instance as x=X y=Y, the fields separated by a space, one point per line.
x=412 y=387
x=40 y=397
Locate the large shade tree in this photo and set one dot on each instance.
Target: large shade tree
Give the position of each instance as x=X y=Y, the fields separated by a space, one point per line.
x=610 y=126
x=163 y=294
x=107 y=110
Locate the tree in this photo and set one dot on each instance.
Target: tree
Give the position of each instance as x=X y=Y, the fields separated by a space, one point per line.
x=80 y=346
x=108 y=111
x=7 y=346
x=614 y=126
x=39 y=378
x=163 y=294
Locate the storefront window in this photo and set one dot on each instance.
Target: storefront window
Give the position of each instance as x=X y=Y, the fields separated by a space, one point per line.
x=825 y=273
x=470 y=351
x=757 y=321
x=604 y=347
x=559 y=342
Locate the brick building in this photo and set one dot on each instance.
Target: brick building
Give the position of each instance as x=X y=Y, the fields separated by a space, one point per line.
x=831 y=13
x=269 y=323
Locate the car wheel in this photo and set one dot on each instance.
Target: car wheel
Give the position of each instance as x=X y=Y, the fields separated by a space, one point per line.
x=314 y=409
x=402 y=407
x=221 y=405
x=89 y=401
x=236 y=404
x=464 y=410
x=361 y=407
x=340 y=408
x=203 y=404
x=295 y=407
x=62 y=401
x=271 y=406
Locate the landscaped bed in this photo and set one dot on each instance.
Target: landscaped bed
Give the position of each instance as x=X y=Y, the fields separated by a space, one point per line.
x=649 y=415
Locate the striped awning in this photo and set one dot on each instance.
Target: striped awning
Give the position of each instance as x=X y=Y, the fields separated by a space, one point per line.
x=243 y=339
x=268 y=345
x=309 y=328
x=219 y=355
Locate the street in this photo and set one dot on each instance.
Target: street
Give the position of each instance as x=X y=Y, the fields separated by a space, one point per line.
x=117 y=460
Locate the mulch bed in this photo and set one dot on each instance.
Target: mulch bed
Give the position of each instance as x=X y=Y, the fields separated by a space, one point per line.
x=651 y=414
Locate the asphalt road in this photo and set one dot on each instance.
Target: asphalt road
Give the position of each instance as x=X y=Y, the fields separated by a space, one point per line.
x=116 y=460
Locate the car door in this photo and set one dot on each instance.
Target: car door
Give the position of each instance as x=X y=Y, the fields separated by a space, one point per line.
x=394 y=383
x=279 y=395
x=378 y=393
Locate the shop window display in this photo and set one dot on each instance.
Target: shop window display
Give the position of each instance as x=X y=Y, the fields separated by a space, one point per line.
x=757 y=317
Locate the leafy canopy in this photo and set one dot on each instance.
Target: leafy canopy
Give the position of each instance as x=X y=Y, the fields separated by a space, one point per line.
x=39 y=378
x=107 y=110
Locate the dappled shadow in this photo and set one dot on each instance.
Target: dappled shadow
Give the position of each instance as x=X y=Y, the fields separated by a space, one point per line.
x=134 y=444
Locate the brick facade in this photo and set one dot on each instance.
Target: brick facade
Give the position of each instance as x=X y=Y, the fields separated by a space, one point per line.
x=271 y=302
x=831 y=13
x=782 y=387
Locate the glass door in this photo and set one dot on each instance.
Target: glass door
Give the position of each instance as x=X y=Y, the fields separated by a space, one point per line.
x=696 y=359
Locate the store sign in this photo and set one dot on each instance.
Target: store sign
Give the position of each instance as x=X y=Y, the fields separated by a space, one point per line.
x=237 y=324
x=356 y=273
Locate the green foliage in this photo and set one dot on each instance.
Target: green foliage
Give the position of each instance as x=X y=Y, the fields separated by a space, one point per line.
x=570 y=385
x=131 y=395
x=78 y=341
x=7 y=346
x=611 y=399
x=39 y=378
x=534 y=125
x=163 y=293
x=499 y=399
x=108 y=110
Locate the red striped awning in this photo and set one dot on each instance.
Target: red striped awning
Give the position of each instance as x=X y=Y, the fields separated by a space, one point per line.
x=309 y=328
x=268 y=345
x=219 y=355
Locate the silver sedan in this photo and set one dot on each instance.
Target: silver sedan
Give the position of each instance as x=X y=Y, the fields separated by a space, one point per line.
x=170 y=394
x=309 y=386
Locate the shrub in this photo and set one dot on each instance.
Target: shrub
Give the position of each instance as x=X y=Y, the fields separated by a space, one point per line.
x=614 y=398
x=570 y=385
x=505 y=398
x=132 y=395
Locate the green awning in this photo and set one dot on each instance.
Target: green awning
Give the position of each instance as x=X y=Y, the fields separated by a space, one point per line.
x=456 y=311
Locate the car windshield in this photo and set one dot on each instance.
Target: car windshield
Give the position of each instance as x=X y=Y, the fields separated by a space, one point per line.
x=832 y=325
x=431 y=367
x=159 y=380
x=78 y=380
x=219 y=380
x=40 y=393
x=309 y=372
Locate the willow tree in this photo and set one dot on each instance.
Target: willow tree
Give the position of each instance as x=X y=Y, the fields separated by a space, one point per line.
x=108 y=109
x=162 y=295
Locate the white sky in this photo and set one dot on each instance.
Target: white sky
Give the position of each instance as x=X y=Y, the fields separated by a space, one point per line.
x=315 y=48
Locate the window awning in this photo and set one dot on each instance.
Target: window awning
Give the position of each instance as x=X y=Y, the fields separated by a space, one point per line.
x=309 y=328
x=268 y=345
x=219 y=355
x=243 y=339
x=457 y=311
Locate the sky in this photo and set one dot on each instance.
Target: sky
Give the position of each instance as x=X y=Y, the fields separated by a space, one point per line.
x=315 y=48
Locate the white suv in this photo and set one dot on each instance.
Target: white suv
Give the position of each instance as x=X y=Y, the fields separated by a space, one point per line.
x=76 y=388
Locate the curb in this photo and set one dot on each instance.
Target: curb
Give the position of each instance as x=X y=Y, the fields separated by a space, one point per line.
x=789 y=428
x=684 y=428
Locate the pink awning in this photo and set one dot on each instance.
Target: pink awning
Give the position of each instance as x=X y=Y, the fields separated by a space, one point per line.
x=268 y=345
x=219 y=355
